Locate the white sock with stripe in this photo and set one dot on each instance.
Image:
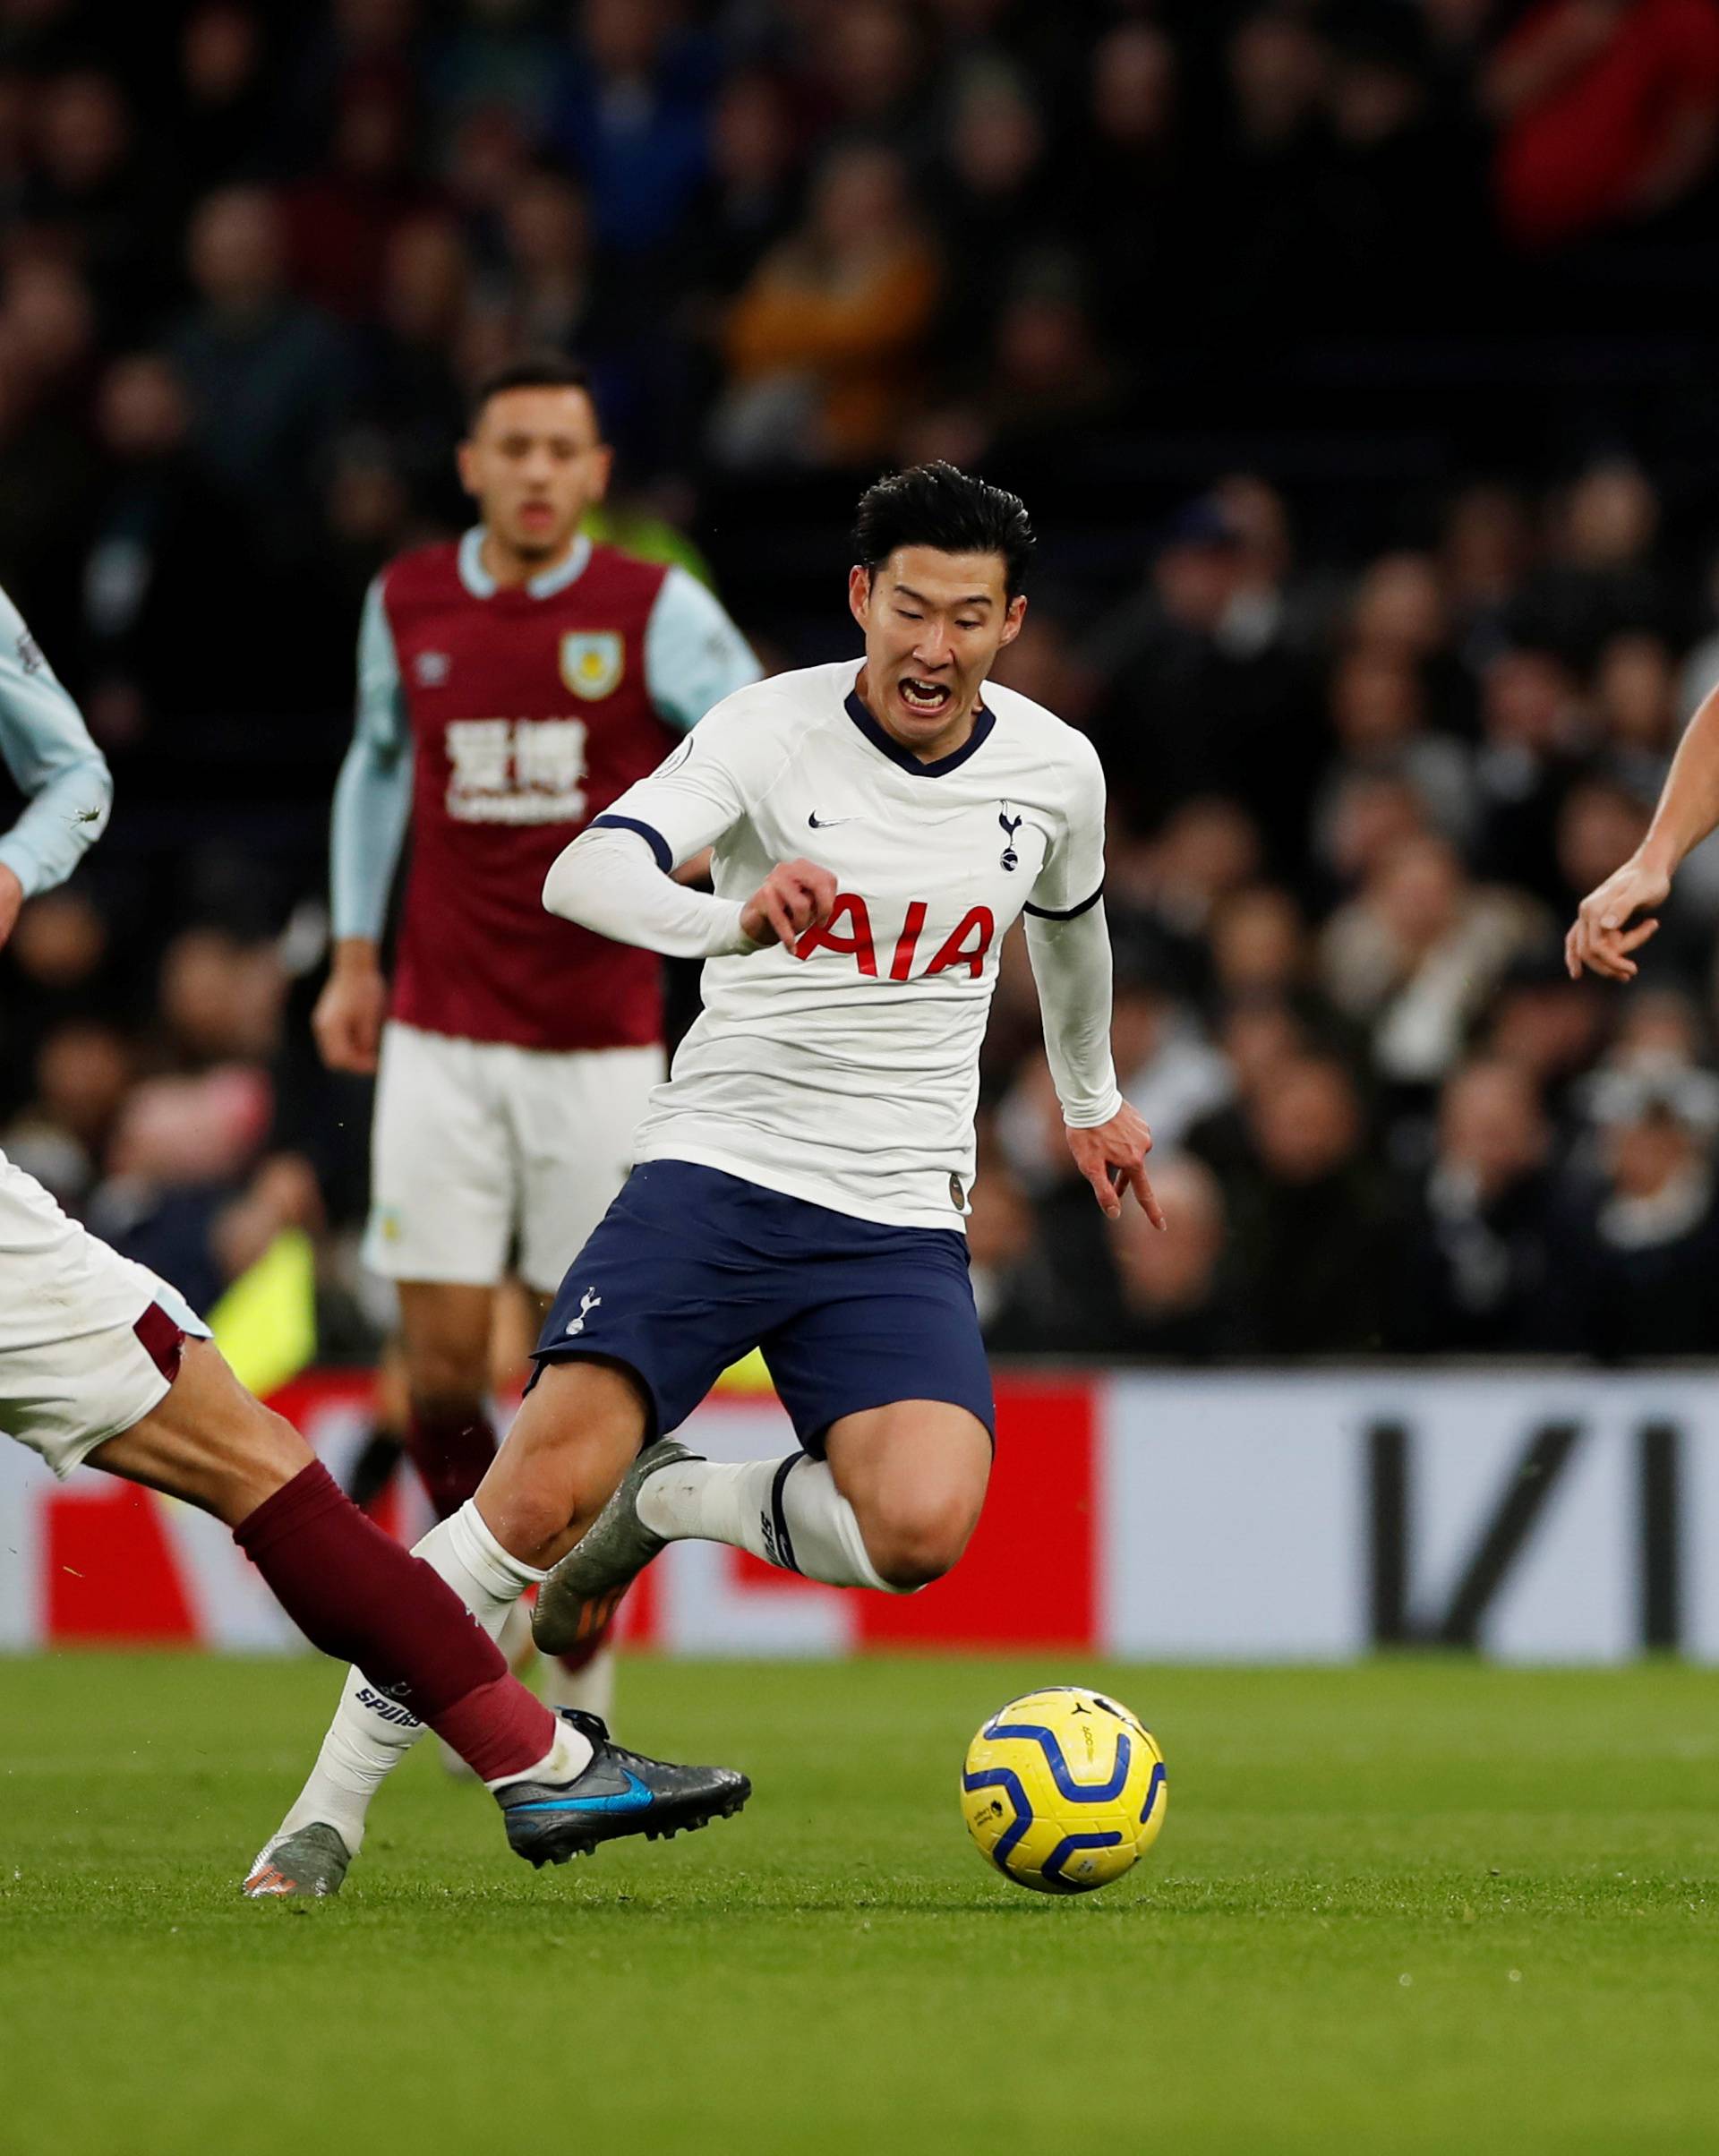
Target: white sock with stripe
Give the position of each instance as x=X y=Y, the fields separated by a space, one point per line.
x=787 y=1511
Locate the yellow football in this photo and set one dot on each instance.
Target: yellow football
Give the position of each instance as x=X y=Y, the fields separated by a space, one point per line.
x=1063 y=1789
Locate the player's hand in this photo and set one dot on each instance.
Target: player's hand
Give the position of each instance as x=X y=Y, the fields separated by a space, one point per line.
x=12 y=900
x=347 y=1020
x=1605 y=932
x=792 y=898
x=1112 y=1157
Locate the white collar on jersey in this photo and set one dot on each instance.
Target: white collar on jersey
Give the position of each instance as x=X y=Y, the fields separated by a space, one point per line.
x=481 y=584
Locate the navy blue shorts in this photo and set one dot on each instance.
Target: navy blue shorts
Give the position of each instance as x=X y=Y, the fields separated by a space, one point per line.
x=690 y=1270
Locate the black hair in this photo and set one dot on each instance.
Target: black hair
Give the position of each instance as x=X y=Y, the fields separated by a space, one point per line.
x=536 y=371
x=936 y=506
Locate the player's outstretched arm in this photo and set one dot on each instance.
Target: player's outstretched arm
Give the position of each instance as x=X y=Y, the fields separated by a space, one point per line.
x=1615 y=921
x=1071 y=964
x=612 y=881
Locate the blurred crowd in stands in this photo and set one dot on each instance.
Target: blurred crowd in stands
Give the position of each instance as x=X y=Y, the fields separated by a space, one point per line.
x=1354 y=360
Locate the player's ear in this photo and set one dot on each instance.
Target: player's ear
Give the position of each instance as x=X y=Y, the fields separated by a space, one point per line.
x=602 y=464
x=860 y=593
x=465 y=463
x=1012 y=620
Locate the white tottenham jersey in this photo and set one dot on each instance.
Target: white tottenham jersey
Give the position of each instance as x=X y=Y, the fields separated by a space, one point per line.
x=846 y=1072
x=57 y=1282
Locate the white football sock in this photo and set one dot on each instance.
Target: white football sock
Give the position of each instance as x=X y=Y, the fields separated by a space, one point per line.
x=370 y=1734
x=787 y=1511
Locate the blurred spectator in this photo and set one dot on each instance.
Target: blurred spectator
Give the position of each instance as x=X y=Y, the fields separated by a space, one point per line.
x=629 y=115
x=1416 y=955
x=82 y=1072
x=1635 y=712
x=994 y=205
x=164 y=565
x=224 y=113
x=1477 y=1248
x=822 y=342
x=1199 y=692
x=1124 y=195
x=100 y=196
x=1608 y=112
x=1175 y=1304
x=1309 y=1232
x=340 y=220
x=1599 y=575
x=268 y=376
x=1025 y=1305
x=1637 y=1271
x=1485 y=552
x=751 y=193
x=1531 y=737
x=1379 y=719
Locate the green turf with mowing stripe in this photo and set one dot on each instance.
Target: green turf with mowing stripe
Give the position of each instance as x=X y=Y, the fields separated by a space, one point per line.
x=1411 y=1907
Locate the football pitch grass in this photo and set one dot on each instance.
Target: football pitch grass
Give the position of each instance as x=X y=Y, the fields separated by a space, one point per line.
x=1413 y=1906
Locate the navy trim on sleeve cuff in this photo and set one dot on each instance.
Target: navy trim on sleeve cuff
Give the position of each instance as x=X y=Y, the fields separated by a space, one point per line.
x=1065 y=913
x=652 y=837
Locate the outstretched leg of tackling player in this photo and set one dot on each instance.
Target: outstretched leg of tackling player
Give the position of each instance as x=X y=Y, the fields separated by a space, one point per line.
x=541 y=1493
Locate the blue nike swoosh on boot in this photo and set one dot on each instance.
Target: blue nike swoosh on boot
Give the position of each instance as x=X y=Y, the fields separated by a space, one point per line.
x=634 y=1797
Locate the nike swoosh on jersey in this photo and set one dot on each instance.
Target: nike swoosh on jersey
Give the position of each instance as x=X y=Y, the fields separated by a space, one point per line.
x=819 y=823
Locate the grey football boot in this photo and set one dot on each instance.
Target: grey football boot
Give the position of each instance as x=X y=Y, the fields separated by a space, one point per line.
x=308 y=1865
x=581 y=1593
x=617 y=1792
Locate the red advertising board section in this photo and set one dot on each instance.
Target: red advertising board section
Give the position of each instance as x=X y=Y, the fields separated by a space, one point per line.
x=114 y=1565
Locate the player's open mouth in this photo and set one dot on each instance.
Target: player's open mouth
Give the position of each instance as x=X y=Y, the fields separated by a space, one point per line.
x=927 y=698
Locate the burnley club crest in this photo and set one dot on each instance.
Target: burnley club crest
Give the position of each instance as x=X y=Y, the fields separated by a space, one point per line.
x=591 y=662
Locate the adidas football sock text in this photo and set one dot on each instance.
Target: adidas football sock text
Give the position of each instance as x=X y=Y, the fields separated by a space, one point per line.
x=787 y=1511
x=452 y=1448
x=371 y=1732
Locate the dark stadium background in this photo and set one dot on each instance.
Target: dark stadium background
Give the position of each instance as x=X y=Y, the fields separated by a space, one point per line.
x=1357 y=364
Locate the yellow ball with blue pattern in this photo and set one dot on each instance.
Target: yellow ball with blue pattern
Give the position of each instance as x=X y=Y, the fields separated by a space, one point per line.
x=1064 y=1789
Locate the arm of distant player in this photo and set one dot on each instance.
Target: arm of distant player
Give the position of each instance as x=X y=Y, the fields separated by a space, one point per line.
x=1607 y=930
x=694 y=655
x=373 y=802
x=1071 y=964
x=47 y=749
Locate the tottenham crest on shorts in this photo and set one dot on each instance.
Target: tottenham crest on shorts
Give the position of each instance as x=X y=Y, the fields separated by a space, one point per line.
x=592 y=660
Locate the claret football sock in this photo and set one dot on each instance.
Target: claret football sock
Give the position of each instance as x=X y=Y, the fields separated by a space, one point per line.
x=371 y=1733
x=452 y=1448
x=787 y=1511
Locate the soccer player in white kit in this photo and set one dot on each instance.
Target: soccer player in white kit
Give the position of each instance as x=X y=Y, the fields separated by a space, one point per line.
x=803 y=1175
x=101 y=1362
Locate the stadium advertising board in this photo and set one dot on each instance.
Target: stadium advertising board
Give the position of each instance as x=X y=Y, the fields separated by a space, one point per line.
x=1272 y=1516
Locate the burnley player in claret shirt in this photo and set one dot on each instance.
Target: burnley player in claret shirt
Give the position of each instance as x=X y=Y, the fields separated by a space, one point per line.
x=511 y=685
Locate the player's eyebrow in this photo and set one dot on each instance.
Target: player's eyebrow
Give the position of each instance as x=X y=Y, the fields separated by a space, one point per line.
x=906 y=591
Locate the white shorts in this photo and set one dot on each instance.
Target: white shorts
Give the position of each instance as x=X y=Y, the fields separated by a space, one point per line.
x=482 y=1152
x=63 y=1397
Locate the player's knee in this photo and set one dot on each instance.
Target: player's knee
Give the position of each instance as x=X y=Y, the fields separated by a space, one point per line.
x=913 y=1544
